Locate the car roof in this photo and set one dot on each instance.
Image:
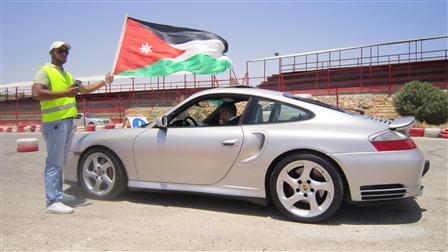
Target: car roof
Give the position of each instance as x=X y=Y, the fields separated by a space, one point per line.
x=244 y=91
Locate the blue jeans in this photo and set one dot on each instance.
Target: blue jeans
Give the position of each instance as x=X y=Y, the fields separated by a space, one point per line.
x=58 y=135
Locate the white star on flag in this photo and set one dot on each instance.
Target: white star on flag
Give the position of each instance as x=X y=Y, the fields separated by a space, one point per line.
x=146 y=48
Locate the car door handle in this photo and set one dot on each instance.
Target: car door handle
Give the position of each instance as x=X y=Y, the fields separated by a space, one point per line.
x=230 y=142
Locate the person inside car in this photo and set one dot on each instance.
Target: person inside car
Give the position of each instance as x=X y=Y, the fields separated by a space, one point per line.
x=227 y=114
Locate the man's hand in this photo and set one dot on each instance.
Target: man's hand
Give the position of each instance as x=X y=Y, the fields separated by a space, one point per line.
x=71 y=91
x=41 y=93
x=109 y=78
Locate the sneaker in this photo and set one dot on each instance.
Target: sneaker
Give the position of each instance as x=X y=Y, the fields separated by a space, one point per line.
x=68 y=198
x=59 y=208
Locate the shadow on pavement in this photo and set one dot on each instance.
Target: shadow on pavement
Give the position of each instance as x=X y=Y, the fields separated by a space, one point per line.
x=81 y=197
x=396 y=212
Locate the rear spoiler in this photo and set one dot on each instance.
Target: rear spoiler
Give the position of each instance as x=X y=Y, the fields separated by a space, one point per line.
x=402 y=123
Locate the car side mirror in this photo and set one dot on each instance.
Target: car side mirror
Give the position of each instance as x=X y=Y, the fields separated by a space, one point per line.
x=162 y=122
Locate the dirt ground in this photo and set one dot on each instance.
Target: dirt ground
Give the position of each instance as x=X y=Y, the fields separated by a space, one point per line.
x=158 y=221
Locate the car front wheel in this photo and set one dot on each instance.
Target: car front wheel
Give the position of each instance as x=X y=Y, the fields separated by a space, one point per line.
x=306 y=188
x=101 y=174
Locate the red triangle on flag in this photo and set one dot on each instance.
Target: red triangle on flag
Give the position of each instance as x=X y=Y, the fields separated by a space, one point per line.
x=140 y=47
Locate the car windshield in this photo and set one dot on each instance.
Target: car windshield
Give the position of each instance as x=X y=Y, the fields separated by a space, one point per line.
x=318 y=103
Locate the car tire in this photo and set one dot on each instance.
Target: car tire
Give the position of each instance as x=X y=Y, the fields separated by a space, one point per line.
x=306 y=188
x=105 y=181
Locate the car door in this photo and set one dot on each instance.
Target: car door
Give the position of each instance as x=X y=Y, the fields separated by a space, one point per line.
x=200 y=155
x=200 y=152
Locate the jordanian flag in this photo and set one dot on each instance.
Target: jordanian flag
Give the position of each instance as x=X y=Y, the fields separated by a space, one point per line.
x=149 y=49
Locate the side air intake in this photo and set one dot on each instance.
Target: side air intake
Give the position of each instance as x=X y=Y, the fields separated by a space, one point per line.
x=382 y=192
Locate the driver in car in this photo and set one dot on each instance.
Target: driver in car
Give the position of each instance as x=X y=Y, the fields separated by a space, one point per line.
x=227 y=114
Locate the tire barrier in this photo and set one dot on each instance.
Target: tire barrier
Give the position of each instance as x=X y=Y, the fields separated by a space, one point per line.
x=416 y=132
x=444 y=133
x=90 y=127
x=110 y=126
x=27 y=144
x=432 y=132
x=21 y=128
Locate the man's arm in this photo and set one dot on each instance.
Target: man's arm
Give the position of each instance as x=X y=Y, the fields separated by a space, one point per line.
x=40 y=92
x=86 y=89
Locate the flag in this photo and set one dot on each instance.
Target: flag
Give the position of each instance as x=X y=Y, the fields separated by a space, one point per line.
x=149 y=49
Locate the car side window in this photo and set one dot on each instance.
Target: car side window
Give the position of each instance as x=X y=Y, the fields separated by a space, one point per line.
x=266 y=111
x=220 y=111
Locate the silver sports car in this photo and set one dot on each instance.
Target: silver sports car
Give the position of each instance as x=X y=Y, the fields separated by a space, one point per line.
x=258 y=145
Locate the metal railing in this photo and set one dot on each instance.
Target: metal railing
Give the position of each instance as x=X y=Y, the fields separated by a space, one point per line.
x=400 y=52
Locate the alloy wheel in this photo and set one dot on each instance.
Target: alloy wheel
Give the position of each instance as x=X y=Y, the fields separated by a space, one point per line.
x=305 y=189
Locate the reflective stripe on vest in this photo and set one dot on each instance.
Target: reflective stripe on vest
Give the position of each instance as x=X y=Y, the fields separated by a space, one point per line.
x=60 y=108
x=54 y=109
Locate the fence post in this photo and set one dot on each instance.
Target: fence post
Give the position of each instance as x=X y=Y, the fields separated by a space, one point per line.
x=390 y=81
x=361 y=76
x=119 y=109
x=279 y=85
x=247 y=73
x=264 y=70
x=337 y=97
x=17 y=106
x=132 y=84
x=194 y=80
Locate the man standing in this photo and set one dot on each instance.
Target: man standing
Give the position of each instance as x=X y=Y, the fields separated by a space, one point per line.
x=55 y=88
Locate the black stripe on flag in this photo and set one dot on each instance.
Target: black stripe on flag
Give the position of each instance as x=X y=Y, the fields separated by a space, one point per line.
x=179 y=35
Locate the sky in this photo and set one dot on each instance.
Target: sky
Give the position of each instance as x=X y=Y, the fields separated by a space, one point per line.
x=253 y=29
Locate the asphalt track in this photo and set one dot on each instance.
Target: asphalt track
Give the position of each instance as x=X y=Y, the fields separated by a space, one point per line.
x=159 y=221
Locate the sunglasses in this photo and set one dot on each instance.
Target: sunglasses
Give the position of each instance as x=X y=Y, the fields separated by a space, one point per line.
x=62 y=51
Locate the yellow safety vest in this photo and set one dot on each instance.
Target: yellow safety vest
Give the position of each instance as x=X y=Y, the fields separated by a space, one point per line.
x=59 y=108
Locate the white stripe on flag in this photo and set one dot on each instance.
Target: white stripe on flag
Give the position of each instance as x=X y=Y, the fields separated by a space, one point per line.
x=211 y=47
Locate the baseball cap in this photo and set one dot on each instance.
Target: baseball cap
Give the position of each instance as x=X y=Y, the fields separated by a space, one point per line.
x=58 y=44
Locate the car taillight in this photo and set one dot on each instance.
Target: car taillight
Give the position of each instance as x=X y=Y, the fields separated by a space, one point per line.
x=392 y=141
x=394 y=145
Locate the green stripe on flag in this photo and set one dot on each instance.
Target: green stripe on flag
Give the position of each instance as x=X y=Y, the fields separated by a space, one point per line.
x=198 y=64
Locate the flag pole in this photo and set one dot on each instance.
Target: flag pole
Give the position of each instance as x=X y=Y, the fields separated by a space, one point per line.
x=119 y=44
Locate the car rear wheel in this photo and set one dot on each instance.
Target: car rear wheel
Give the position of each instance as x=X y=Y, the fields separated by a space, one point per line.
x=306 y=188
x=101 y=174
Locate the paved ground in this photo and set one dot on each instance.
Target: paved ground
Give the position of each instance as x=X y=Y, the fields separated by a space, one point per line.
x=155 y=221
